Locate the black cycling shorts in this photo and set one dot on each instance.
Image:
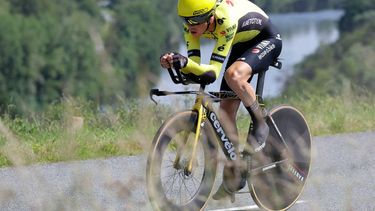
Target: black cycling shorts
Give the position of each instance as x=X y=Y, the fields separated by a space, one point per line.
x=258 y=53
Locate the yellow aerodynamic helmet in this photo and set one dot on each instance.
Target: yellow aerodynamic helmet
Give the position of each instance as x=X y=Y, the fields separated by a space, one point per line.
x=196 y=11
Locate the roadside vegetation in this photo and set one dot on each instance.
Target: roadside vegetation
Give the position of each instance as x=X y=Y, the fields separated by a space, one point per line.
x=77 y=130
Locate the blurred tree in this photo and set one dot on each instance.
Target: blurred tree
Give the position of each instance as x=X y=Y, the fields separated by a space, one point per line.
x=139 y=33
x=275 y=6
x=44 y=55
x=357 y=13
x=52 y=48
x=348 y=62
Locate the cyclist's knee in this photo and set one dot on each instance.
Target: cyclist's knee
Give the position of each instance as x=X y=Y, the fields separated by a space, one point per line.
x=231 y=75
x=237 y=73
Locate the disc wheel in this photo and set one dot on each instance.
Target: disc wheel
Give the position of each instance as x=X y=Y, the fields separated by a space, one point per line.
x=278 y=188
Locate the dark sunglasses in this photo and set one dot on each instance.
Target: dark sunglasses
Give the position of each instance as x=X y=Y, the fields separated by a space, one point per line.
x=196 y=20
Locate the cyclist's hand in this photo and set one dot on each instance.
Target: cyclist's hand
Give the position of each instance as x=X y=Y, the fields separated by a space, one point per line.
x=166 y=60
x=179 y=61
x=175 y=60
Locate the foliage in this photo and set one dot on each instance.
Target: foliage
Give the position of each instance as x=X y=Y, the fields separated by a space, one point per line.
x=56 y=135
x=357 y=13
x=346 y=112
x=345 y=65
x=75 y=129
x=132 y=44
x=276 y=6
x=51 y=49
x=45 y=54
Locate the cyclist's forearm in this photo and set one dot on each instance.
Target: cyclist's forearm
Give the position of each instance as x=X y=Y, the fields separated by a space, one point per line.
x=201 y=69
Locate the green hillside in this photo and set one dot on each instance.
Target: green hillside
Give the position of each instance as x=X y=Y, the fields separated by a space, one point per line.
x=102 y=51
x=52 y=49
x=346 y=65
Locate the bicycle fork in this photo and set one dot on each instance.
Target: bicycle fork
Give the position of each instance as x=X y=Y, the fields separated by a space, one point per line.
x=201 y=116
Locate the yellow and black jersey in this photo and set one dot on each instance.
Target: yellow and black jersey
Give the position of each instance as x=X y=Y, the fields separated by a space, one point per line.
x=236 y=21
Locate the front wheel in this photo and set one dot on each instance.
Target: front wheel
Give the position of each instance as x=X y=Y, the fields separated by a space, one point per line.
x=170 y=184
x=280 y=184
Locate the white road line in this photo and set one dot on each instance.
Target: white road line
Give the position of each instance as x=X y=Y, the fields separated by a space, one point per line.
x=253 y=207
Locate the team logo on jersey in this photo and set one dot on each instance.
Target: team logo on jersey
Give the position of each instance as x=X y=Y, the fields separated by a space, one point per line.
x=252 y=21
x=263 y=44
x=221 y=48
x=231 y=28
x=278 y=37
x=220 y=21
x=217 y=58
x=266 y=51
x=229 y=36
x=255 y=50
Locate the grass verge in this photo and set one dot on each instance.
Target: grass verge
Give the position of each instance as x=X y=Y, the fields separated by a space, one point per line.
x=77 y=130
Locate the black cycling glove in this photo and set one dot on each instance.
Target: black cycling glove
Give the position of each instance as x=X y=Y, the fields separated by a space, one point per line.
x=179 y=61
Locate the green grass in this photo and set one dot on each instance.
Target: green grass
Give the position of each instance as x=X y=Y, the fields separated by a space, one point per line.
x=339 y=114
x=327 y=115
x=58 y=134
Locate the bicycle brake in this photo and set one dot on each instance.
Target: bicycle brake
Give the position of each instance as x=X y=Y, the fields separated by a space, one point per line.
x=152 y=93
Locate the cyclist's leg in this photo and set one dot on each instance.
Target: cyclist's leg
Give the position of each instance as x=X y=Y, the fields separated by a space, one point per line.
x=237 y=77
x=229 y=108
x=252 y=61
x=228 y=112
x=232 y=179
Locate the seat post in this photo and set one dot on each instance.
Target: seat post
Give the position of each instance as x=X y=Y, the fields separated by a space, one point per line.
x=260 y=84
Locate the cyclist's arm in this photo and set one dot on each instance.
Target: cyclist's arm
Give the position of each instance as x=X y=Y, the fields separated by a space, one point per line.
x=210 y=72
x=193 y=46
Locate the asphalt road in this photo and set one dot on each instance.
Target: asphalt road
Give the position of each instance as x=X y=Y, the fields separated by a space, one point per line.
x=342 y=178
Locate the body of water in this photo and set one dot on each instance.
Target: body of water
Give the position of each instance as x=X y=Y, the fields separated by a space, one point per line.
x=302 y=33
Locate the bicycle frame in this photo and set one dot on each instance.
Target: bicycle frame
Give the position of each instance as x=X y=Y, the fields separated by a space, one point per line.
x=203 y=106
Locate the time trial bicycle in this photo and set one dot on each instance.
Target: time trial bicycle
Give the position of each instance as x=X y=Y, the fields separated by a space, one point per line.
x=183 y=158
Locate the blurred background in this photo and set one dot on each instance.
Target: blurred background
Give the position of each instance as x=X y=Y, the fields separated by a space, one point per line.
x=106 y=51
x=74 y=83
x=89 y=64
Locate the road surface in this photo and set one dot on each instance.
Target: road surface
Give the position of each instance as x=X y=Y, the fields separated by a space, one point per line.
x=342 y=178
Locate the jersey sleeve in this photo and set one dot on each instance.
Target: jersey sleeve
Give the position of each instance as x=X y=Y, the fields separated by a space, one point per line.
x=221 y=50
x=192 y=46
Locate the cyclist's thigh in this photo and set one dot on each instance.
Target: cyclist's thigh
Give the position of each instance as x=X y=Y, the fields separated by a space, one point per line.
x=237 y=51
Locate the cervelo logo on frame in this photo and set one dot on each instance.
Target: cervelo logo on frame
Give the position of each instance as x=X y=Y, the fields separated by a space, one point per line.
x=226 y=143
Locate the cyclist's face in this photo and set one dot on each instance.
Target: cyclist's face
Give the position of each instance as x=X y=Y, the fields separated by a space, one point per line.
x=197 y=30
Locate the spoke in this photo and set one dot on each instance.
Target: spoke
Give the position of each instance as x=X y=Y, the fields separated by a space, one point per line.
x=193 y=181
x=167 y=191
x=180 y=192
x=167 y=166
x=187 y=190
x=170 y=175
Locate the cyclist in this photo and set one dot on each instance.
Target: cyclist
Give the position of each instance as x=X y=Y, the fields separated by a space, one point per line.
x=243 y=33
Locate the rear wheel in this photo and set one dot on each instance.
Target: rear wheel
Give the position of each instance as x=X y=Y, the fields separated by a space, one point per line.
x=278 y=187
x=169 y=183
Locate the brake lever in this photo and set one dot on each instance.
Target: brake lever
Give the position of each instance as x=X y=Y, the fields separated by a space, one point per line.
x=152 y=93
